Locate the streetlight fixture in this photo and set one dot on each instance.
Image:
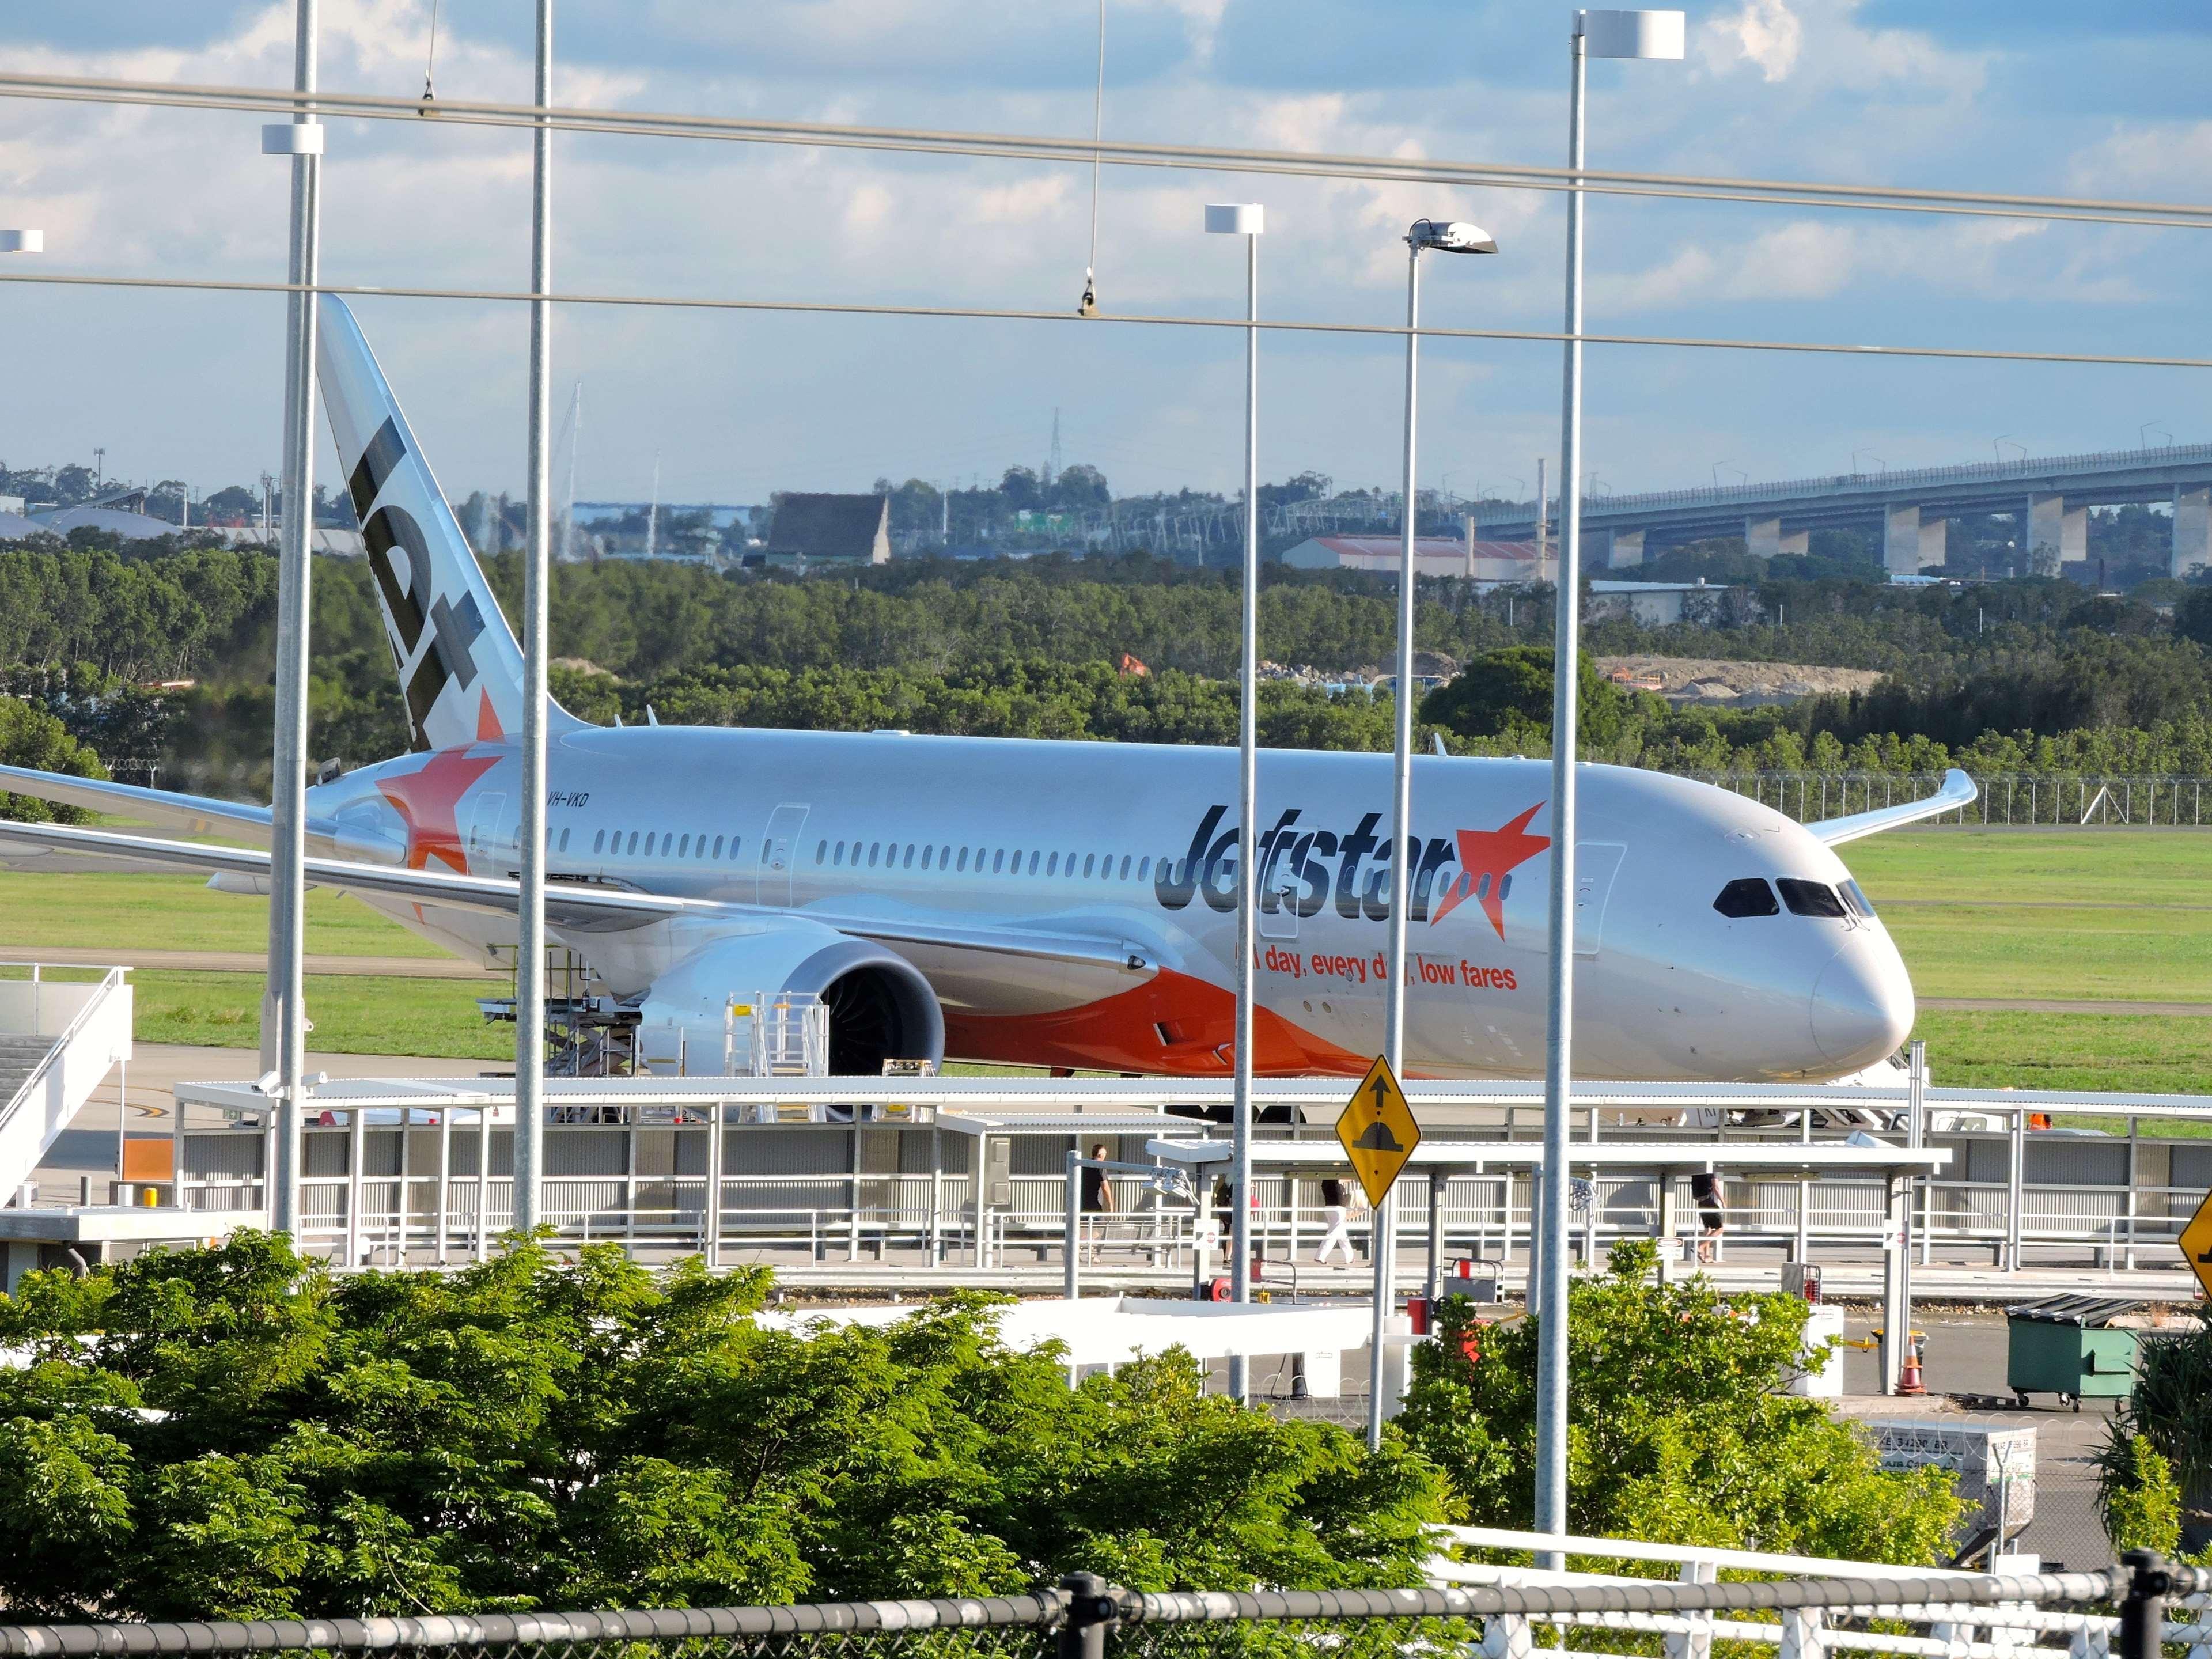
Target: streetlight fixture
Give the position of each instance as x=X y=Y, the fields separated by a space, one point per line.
x=1438 y=236
x=1651 y=34
x=2142 y=432
x=1717 y=465
x=1247 y=220
x=1855 y=454
x=22 y=241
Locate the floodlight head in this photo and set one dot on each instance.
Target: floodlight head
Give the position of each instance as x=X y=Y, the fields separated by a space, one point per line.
x=22 y=241
x=1630 y=33
x=1449 y=236
x=1236 y=219
x=292 y=138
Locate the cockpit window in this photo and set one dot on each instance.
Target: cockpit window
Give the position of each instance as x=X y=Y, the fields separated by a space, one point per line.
x=1855 y=895
x=1809 y=898
x=1750 y=896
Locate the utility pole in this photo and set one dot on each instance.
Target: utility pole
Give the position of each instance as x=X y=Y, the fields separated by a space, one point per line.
x=284 y=1014
x=537 y=574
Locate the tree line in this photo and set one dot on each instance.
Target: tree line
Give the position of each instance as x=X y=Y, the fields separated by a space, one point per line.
x=239 y=1433
x=2020 y=676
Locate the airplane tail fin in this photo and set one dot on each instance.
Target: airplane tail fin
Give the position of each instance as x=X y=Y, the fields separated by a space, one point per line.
x=458 y=660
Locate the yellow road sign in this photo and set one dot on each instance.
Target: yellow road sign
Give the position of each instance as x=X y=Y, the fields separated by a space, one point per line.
x=1377 y=1130
x=2197 y=1244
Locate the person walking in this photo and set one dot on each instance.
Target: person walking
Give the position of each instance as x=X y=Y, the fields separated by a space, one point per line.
x=1335 y=1208
x=1096 y=1198
x=1711 y=1197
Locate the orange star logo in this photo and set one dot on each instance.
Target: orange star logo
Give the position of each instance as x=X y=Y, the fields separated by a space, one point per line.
x=1487 y=860
x=430 y=798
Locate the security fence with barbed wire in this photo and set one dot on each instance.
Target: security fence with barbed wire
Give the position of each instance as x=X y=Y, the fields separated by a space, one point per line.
x=2142 y=1608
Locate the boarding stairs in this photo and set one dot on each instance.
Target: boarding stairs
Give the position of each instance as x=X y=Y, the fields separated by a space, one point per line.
x=58 y=1041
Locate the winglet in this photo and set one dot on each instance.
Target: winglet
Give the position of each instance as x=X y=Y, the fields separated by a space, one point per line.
x=1957 y=790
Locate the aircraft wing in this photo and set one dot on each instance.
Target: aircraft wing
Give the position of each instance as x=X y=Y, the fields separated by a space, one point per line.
x=576 y=906
x=1956 y=790
x=191 y=815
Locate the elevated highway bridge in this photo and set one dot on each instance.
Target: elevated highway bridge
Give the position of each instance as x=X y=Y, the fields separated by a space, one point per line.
x=2050 y=495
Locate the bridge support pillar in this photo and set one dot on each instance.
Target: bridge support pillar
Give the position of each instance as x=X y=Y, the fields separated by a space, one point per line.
x=1903 y=537
x=1764 y=538
x=1934 y=538
x=1624 y=548
x=2056 y=534
x=2192 y=528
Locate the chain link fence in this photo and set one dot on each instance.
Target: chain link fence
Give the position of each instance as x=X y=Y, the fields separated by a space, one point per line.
x=2066 y=799
x=2140 y=1610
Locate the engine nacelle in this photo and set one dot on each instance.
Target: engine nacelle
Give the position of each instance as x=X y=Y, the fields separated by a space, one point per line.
x=880 y=1007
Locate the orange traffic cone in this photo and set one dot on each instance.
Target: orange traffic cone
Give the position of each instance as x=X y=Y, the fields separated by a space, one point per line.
x=1909 y=1379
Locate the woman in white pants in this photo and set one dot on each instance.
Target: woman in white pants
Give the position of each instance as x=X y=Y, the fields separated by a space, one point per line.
x=1335 y=1209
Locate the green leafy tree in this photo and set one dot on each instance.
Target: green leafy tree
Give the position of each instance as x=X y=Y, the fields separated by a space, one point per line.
x=2155 y=1469
x=1680 y=1429
x=543 y=1429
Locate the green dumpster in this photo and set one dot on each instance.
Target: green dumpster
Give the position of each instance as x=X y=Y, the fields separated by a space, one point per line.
x=2066 y=1345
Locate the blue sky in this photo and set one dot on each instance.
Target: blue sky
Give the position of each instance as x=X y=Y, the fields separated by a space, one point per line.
x=2027 y=96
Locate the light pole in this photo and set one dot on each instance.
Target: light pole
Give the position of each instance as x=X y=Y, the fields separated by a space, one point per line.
x=1444 y=237
x=1247 y=220
x=529 y=931
x=283 y=1015
x=1597 y=35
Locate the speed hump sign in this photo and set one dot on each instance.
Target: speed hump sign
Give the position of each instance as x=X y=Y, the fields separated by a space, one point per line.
x=1377 y=1129
x=2197 y=1244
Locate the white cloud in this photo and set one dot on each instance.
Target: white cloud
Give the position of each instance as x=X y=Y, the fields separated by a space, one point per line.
x=1766 y=32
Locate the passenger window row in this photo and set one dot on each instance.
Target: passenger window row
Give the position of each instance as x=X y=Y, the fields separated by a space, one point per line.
x=981 y=861
x=1750 y=896
x=671 y=845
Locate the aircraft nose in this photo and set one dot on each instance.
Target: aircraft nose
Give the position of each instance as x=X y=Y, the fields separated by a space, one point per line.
x=1862 y=1006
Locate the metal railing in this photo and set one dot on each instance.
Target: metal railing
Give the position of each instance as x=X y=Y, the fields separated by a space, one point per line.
x=1494 y=1612
x=379 y=1197
x=2005 y=797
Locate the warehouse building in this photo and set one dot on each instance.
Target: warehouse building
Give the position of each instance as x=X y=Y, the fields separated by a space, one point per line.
x=815 y=530
x=1487 y=564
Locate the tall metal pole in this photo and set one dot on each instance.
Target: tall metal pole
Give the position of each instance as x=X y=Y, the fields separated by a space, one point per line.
x=1385 y=1244
x=530 y=945
x=1559 y=998
x=282 y=1003
x=1248 y=810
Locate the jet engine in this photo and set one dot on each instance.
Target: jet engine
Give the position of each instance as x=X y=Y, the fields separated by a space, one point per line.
x=880 y=1007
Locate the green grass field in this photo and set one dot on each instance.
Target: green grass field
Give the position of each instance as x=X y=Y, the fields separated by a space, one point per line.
x=1961 y=904
x=124 y=913
x=353 y=1014
x=1964 y=907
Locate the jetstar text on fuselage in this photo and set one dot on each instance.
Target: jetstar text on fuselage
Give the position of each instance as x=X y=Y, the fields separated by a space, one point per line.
x=1304 y=869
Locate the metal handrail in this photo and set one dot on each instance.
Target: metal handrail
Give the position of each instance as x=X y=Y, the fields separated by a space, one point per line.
x=111 y=981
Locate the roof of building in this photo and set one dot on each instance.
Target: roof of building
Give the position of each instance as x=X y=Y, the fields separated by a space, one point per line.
x=1659 y=587
x=828 y=526
x=14 y=527
x=1387 y=548
x=138 y=526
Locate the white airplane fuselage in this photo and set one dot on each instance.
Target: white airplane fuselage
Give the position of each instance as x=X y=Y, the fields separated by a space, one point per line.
x=1137 y=842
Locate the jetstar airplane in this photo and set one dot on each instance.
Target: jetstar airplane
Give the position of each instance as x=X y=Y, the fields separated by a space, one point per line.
x=1067 y=904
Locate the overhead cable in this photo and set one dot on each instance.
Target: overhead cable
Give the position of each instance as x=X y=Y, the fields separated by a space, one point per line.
x=988 y=313
x=1123 y=153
